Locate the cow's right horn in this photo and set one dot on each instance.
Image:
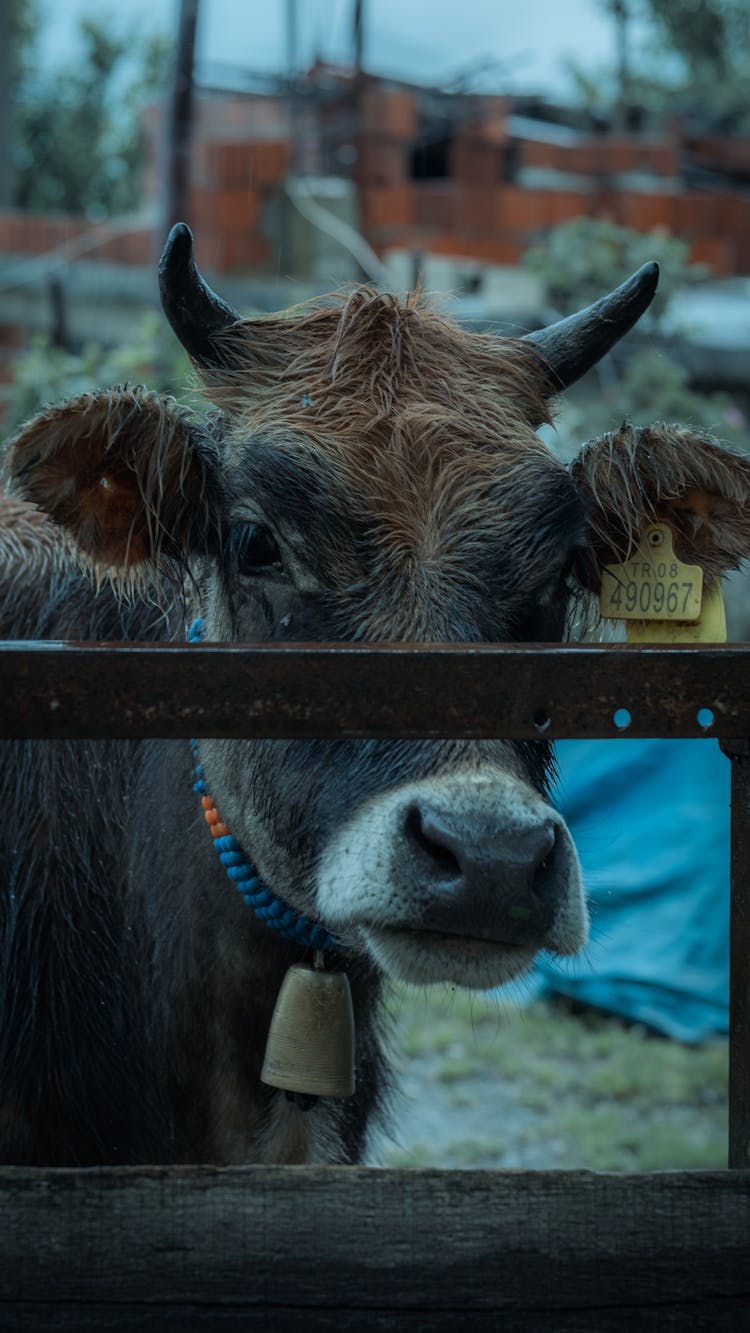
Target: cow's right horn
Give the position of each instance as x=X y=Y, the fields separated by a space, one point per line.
x=195 y=312
x=572 y=346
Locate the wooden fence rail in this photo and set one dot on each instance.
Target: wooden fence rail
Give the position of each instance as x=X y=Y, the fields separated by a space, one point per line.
x=311 y=1248
x=319 y=1248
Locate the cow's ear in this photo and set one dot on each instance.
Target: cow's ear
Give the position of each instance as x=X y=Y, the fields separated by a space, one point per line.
x=126 y=474
x=672 y=474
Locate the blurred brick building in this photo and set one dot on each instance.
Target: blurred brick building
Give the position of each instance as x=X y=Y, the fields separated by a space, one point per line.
x=461 y=174
x=419 y=171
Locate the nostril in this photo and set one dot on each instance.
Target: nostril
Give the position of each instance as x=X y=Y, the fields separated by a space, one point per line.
x=475 y=872
x=542 y=843
x=542 y=858
x=431 y=840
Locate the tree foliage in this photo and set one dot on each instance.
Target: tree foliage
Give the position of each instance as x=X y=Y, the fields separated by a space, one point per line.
x=641 y=381
x=694 y=56
x=712 y=37
x=586 y=257
x=711 y=40
x=43 y=373
x=77 y=143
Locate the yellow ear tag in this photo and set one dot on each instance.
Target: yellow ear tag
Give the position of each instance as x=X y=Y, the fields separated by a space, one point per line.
x=660 y=598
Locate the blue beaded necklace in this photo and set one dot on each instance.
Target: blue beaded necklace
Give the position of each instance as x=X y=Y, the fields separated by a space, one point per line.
x=277 y=914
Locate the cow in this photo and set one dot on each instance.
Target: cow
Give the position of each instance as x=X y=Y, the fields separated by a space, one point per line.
x=368 y=471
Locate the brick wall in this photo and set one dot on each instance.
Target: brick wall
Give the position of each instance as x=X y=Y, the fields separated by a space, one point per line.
x=35 y=234
x=495 y=191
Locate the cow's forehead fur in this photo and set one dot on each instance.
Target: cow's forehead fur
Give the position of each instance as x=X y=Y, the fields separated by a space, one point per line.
x=367 y=360
x=422 y=429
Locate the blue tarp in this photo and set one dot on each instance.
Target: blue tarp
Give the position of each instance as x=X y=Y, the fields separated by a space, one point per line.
x=650 y=819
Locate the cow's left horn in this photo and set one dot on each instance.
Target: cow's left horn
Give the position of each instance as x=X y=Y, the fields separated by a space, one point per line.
x=572 y=346
x=195 y=312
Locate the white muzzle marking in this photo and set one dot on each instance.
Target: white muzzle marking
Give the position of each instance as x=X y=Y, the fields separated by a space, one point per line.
x=379 y=886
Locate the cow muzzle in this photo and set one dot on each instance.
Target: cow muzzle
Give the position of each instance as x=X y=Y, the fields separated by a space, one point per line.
x=462 y=878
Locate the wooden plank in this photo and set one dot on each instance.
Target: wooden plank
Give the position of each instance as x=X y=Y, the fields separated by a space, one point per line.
x=304 y=690
x=292 y=1246
x=722 y=1316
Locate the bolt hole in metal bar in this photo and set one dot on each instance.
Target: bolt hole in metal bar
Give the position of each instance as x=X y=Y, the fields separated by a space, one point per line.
x=542 y=720
x=404 y=691
x=513 y=691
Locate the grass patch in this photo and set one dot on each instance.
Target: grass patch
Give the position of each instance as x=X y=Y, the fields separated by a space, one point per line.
x=456 y=1153
x=489 y=1085
x=459 y=1069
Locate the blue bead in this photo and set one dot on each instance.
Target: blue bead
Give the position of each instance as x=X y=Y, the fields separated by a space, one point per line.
x=231 y=859
x=242 y=873
x=274 y=911
x=261 y=897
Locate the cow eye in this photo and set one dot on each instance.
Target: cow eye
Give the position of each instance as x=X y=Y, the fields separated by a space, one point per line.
x=254 y=548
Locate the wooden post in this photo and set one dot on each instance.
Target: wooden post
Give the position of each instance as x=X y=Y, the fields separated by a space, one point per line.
x=358 y=99
x=180 y=122
x=8 y=81
x=621 y=15
x=285 y=257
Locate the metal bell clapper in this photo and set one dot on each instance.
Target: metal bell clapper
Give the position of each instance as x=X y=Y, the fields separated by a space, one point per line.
x=310 y=1045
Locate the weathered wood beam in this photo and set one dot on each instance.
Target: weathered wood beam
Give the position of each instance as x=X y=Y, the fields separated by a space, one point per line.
x=309 y=1248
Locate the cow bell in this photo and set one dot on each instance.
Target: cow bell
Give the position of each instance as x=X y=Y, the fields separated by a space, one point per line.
x=310 y=1045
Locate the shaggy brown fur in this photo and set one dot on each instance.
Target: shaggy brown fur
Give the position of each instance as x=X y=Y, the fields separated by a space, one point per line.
x=641 y=474
x=27 y=538
x=120 y=471
x=422 y=422
x=430 y=429
x=366 y=357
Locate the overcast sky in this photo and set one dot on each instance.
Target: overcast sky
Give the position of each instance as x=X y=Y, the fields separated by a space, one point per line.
x=424 y=40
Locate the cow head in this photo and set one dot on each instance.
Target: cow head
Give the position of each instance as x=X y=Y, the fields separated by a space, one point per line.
x=373 y=472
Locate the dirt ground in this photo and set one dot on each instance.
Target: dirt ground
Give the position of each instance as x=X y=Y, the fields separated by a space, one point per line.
x=490 y=1085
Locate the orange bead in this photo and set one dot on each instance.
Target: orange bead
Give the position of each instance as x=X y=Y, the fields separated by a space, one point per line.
x=219 y=830
x=212 y=816
x=207 y=802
